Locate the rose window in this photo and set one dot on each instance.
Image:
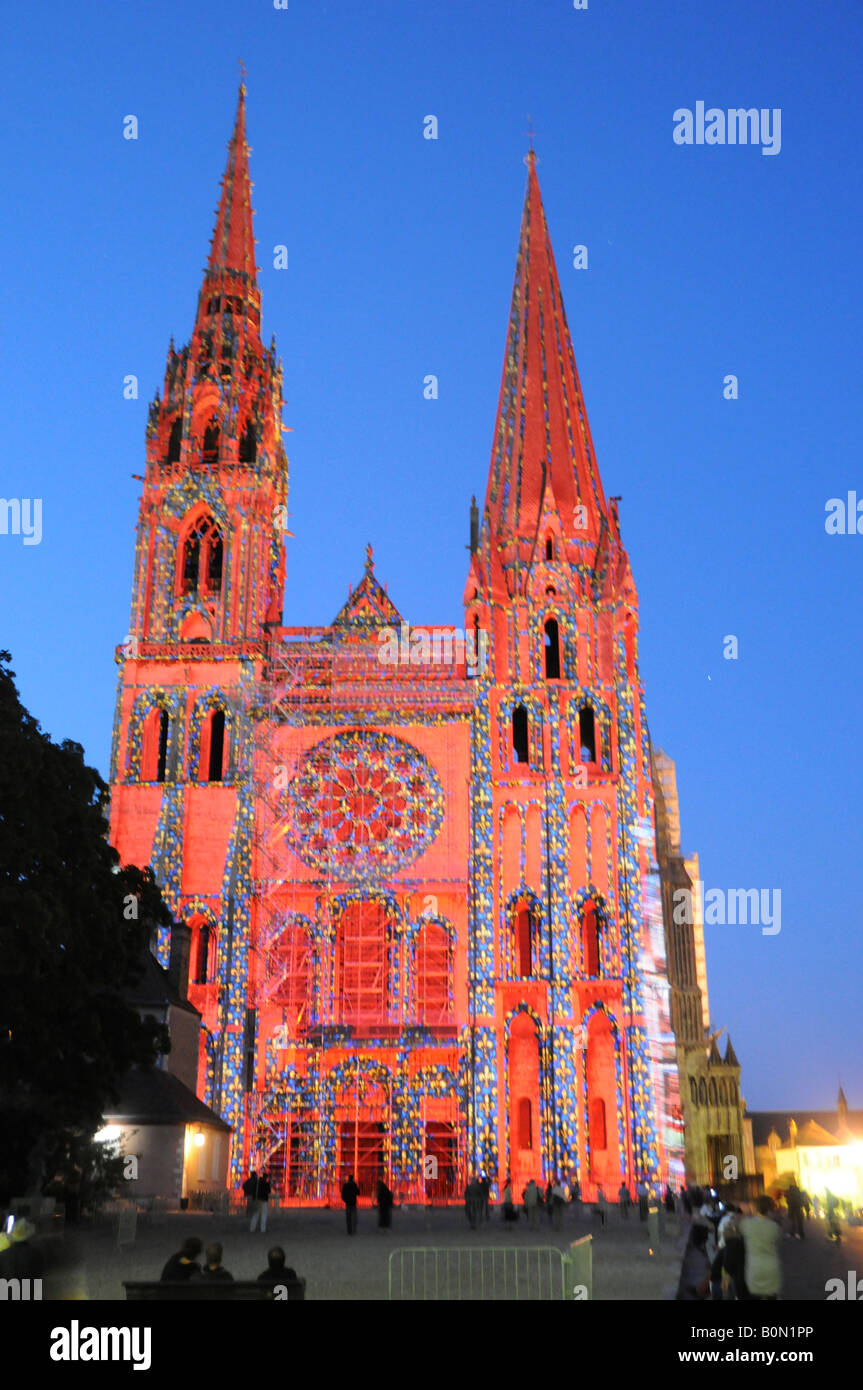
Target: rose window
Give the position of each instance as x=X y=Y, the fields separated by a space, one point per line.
x=362 y=803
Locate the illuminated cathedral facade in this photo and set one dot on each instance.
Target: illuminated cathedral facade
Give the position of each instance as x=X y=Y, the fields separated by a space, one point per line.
x=419 y=862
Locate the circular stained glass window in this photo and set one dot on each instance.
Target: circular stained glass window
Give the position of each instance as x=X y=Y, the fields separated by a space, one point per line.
x=362 y=804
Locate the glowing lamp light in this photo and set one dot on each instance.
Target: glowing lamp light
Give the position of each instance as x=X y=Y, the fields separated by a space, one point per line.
x=200 y=1139
x=108 y=1134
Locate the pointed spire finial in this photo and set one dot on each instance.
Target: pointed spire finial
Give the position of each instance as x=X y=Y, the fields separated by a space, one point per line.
x=242 y=76
x=370 y=564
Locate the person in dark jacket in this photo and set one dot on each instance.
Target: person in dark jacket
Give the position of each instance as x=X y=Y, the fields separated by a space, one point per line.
x=213 y=1267
x=350 y=1193
x=276 y=1272
x=259 y=1205
x=794 y=1202
x=184 y=1265
x=385 y=1206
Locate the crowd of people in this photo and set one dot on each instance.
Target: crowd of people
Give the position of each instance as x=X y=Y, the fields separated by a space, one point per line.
x=732 y=1254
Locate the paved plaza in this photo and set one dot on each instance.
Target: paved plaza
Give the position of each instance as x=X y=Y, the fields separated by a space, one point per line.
x=88 y=1264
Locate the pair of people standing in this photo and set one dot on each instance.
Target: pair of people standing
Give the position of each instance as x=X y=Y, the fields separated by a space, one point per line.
x=257 y=1192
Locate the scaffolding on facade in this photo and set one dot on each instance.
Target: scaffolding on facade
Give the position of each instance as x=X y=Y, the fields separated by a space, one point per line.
x=319 y=1106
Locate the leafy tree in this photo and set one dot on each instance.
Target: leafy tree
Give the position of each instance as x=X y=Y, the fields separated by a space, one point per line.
x=74 y=927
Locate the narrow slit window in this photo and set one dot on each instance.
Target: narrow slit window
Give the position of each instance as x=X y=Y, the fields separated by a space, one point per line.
x=520 y=735
x=549 y=548
x=174 y=441
x=587 y=734
x=525 y=1123
x=217 y=745
x=164 y=729
x=552 y=650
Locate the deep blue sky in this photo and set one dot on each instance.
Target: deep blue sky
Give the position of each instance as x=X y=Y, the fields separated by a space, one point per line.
x=702 y=261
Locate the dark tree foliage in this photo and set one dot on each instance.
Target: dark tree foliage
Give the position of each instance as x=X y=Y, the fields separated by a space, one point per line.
x=74 y=927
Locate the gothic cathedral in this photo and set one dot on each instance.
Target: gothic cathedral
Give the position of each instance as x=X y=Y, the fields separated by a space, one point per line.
x=419 y=862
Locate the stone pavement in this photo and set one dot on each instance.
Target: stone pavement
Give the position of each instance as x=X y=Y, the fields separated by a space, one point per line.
x=337 y=1266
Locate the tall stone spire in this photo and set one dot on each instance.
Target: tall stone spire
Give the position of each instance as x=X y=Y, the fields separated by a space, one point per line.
x=542 y=456
x=231 y=280
x=233 y=245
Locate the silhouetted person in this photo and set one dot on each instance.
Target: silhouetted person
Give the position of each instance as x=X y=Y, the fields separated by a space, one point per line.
x=385 y=1206
x=184 y=1265
x=794 y=1199
x=259 y=1203
x=350 y=1193
x=473 y=1202
x=250 y=1189
x=624 y=1200
x=643 y=1199
x=669 y=1198
x=276 y=1272
x=485 y=1194
x=695 y=1273
x=213 y=1267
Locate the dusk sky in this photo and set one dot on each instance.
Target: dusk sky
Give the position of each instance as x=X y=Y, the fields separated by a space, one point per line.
x=703 y=261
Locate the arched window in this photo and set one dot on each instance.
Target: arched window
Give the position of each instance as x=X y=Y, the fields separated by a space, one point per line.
x=526 y=943
x=433 y=965
x=201 y=558
x=693 y=1090
x=590 y=939
x=587 y=734
x=361 y=953
x=723 y=1093
x=732 y=1092
x=549 y=547
x=174 y=440
x=552 y=650
x=155 y=738
x=711 y=1091
x=525 y=1123
x=249 y=444
x=702 y=1091
x=210 y=449
x=597 y=1129
x=520 y=736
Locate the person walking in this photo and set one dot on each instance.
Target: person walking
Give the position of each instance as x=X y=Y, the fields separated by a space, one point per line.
x=510 y=1212
x=250 y=1189
x=761 y=1237
x=794 y=1202
x=669 y=1199
x=473 y=1202
x=530 y=1197
x=350 y=1193
x=485 y=1195
x=385 y=1206
x=624 y=1201
x=643 y=1199
x=601 y=1206
x=549 y=1188
x=833 y=1215
x=695 y=1273
x=259 y=1207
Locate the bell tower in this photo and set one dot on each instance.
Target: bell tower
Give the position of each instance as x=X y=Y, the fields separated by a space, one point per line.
x=561 y=792
x=209 y=577
x=212 y=516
